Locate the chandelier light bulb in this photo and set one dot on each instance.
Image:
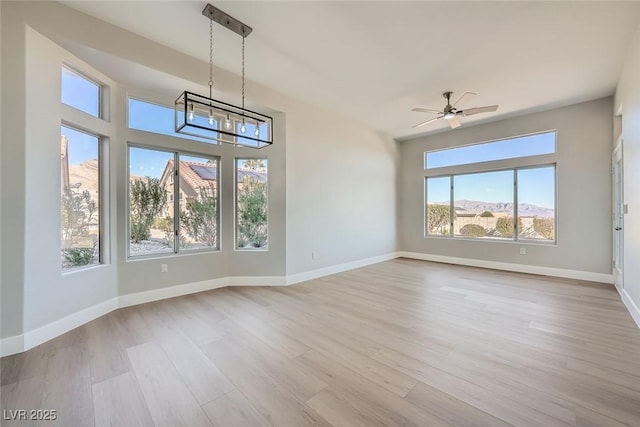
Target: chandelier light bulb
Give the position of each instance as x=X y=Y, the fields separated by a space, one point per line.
x=191 y=113
x=227 y=123
x=257 y=130
x=211 y=119
x=243 y=128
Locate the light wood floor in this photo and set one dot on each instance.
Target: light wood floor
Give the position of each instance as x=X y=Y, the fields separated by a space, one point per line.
x=398 y=343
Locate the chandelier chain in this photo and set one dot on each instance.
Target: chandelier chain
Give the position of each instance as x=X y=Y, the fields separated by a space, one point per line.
x=211 y=56
x=243 y=37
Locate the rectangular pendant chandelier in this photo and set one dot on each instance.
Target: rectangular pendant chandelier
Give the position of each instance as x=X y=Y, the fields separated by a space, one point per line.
x=205 y=117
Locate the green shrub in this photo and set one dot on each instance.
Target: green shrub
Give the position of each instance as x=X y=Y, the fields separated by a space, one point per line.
x=504 y=226
x=147 y=198
x=486 y=214
x=473 y=230
x=165 y=224
x=437 y=217
x=544 y=227
x=200 y=220
x=78 y=256
x=252 y=209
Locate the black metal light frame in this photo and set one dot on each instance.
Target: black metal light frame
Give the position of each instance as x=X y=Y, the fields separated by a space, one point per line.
x=193 y=113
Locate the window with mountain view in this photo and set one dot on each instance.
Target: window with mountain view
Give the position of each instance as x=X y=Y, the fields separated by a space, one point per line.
x=484 y=205
x=80 y=198
x=536 y=203
x=516 y=203
x=251 y=204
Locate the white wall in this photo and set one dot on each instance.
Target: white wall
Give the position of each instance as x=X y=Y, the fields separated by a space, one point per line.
x=331 y=181
x=341 y=203
x=43 y=279
x=628 y=97
x=13 y=176
x=583 y=191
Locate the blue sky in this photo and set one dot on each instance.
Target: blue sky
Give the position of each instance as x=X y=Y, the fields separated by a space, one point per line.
x=536 y=186
x=82 y=146
x=80 y=93
x=543 y=143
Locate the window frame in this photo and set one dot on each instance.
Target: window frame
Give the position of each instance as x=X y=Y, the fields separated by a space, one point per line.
x=513 y=164
x=236 y=160
x=102 y=106
x=177 y=251
x=555 y=150
x=101 y=197
x=96 y=126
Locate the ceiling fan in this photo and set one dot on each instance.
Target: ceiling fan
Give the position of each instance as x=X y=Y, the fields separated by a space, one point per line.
x=451 y=113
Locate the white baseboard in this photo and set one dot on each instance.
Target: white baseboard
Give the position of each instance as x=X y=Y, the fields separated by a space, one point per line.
x=519 y=268
x=192 y=288
x=631 y=305
x=11 y=345
x=170 y=292
x=339 y=268
x=58 y=327
x=20 y=343
x=257 y=281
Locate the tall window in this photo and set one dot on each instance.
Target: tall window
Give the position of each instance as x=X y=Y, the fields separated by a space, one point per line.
x=173 y=202
x=80 y=198
x=251 y=204
x=506 y=203
x=81 y=161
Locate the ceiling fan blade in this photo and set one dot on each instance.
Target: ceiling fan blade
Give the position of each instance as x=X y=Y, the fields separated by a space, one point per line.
x=487 y=109
x=463 y=95
x=426 y=110
x=454 y=122
x=427 y=122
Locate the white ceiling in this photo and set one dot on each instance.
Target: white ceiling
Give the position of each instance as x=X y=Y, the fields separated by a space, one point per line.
x=374 y=61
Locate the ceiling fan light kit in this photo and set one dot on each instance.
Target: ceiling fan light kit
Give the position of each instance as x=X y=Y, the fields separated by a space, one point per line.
x=451 y=113
x=205 y=117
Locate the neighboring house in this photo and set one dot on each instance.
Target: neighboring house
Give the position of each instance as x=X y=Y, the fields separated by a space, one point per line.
x=194 y=177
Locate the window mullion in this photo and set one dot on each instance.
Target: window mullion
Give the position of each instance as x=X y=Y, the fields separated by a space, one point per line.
x=515 y=205
x=176 y=202
x=452 y=208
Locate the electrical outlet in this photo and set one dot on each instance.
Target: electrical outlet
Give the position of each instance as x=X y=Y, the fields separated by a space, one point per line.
x=523 y=251
x=164 y=268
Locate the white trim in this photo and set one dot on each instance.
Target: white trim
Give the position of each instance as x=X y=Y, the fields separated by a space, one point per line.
x=520 y=268
x=20 y=343
x=58 y=327
x=257 y=281
x=170 y=292
x=339 y=268
x=631 y=305
x=191 y=288
x=11 y=345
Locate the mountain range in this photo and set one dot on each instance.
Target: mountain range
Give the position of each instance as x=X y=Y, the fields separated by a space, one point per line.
x=524 y=209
